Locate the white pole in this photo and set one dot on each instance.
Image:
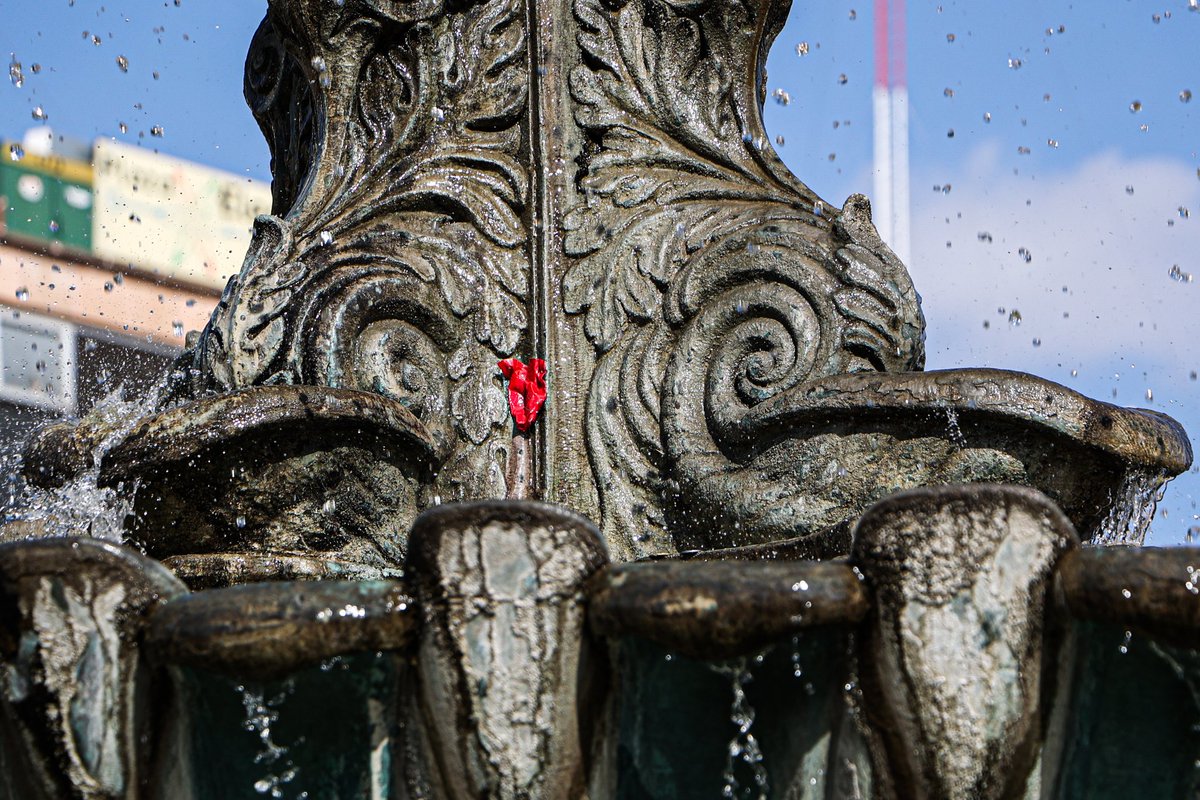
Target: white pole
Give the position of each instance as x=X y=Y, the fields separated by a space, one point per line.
x=881 y=203
x=900 y=240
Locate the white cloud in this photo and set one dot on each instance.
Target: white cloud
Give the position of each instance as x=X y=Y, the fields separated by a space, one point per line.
x=1082 y=230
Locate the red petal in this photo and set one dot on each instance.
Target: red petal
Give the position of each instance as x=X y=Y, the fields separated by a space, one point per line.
x=526 y=389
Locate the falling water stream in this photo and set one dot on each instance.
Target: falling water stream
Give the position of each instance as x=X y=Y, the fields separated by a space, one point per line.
x=261 y=713
x=743 y=747
x=1131 y=510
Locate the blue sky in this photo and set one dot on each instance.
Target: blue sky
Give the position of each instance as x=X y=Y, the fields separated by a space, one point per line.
x=1100 y=212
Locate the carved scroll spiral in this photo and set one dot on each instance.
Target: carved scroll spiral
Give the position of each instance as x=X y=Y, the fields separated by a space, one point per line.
x=761 y=325
x=396 y=260
x=709 y=278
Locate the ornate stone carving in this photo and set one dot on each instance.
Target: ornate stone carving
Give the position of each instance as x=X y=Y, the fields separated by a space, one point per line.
x=76 y=690
x=955 y=653
x=396 y=261
x=589 y=182
x=504 y=689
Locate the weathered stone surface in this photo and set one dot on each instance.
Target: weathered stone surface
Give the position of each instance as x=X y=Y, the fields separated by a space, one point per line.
x=952 y=658
x=76 y=702
x=328 y=477
x=1151 y=591
x=821 y=454
x=715 y=610
x=500 y=665
x=397 y=261
x=267 y=630
x=733 y=361
x=734 y=371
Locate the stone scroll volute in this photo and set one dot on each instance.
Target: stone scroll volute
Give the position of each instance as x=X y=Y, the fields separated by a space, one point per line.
x=582 y=180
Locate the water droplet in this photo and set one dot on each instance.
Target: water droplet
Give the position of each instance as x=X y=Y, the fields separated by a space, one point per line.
x=22 y=294
x=853 y=15
x=1014 y=63
x=779 y=140
x=1184 y=212
x=1052 y=143
x=330 y=506
x=157 y=130
x=950 y=38
x=984 y=236
x=842 y=79
x=39 y=113
x=1014 y=318
x=16 y=152
x=1025 y=255
x=1185 y=96
x=14 y=72
x=1150 y=394
x=782 y=97
x=1176 y=273
x=123 y=63
x=177 y=328
x=1135 y=106
x=987 y=116
x=438 y=114
x=108 y=286
x=240 y=521
x=947 y=92
x=1128 y=190
x=1037 y=342
x=802 y=49
x=326 y=238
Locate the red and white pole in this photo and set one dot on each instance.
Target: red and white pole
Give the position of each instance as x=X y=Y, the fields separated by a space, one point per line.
x=890 y=100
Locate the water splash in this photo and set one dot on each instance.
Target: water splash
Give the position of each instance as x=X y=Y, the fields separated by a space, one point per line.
x=80 y=507
x=743 y=747
x=953 y=428
x=1131 y=509
x=261 y=713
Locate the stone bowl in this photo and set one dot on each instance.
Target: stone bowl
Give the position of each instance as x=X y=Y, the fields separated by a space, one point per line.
x=821 y=453
x=275 y=482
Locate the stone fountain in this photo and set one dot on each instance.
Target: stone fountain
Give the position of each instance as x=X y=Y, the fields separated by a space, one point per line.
x=746 y=548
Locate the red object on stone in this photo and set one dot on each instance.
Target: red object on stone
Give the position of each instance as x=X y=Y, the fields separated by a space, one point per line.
x=526 y=389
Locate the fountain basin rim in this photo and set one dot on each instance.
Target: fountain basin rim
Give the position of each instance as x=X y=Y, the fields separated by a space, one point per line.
x=1141 y=437
x=713 y=609
x=181 y=434
x=1142 y=589
x=265 y=630
x=432 y=525
x=218 y=570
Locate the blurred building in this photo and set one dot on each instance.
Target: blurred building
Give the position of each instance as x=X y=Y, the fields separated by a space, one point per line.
x=109 y=254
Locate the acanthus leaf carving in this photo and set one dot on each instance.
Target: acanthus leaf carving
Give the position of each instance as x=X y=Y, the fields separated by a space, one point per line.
x=689 y=231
